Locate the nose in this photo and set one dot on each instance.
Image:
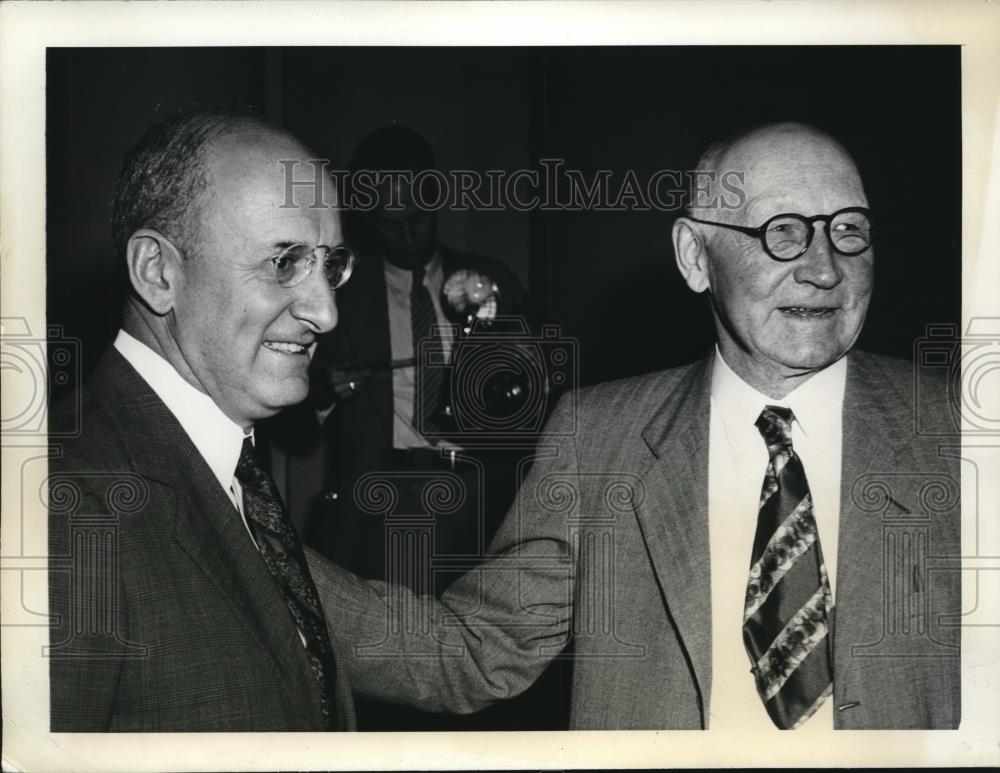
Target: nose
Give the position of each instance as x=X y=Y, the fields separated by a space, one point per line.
x=819 y=265
x=315 y=305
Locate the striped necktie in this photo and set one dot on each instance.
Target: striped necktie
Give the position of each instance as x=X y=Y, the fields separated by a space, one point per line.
x=788 y=601
x=281 y=550
x=428 y=382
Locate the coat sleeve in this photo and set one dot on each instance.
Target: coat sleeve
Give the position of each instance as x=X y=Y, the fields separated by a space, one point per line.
x=495 y=629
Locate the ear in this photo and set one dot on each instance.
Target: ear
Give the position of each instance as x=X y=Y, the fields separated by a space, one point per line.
x=153 y=269
x=691 y=255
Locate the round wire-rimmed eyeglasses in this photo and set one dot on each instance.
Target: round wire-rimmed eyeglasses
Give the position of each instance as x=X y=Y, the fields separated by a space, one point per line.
x=296 y=262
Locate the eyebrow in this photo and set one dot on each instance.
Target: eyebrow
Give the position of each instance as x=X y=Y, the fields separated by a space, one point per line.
x=278 y=247
x=766 y=202
x=283 y=245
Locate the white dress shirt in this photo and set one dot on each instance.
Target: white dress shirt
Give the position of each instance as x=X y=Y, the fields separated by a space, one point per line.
x=398 y=286
x=216 y=437
x=737 y=459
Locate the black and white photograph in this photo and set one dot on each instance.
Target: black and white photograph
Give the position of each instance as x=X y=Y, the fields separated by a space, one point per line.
x=435 y=387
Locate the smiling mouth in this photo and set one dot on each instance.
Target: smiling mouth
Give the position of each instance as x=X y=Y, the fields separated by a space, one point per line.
x=287 y=347
x=808 y=312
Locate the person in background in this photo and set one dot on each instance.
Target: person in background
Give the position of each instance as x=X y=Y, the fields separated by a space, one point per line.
x=381 y=405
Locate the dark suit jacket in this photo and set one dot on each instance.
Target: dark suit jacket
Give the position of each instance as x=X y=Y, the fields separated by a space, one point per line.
x=358 y=435
x=166 y=618
x=608 y=543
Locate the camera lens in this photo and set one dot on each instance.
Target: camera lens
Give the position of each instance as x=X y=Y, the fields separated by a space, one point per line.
x=505 y=393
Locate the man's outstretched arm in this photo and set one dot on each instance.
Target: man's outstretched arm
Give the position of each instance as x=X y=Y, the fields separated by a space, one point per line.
x=493 y=631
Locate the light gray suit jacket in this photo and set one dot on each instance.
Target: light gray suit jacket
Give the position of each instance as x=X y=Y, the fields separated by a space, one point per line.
x=608 y=544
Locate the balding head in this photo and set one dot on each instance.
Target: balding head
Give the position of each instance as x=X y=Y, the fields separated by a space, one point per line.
x=785 y=157
x=247 y=170
x=780 y=321
x=165 y=171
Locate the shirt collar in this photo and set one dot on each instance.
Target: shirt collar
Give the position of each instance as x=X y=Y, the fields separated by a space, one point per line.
x=218 y=438
x=817 y=402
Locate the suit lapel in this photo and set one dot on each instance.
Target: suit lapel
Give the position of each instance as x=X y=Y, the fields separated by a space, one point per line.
x=212 y=533
x=876 y=431
x=207 y=526
x=674 y=516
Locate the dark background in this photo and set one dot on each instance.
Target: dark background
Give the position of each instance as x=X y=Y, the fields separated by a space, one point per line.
x=607 y=277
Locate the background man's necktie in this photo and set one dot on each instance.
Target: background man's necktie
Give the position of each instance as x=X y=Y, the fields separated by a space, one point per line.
x=788 y=602
x=281 y=549
x=428 y=381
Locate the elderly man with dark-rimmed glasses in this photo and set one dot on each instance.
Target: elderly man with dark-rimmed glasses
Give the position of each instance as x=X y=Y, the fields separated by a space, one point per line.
x=737 y=544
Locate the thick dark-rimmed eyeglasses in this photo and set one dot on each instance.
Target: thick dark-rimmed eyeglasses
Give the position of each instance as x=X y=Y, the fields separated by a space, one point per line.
x=787 y=236
x=295 y=263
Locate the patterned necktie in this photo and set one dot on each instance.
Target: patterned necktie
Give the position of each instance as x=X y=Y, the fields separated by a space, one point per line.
x=788 y=602
x=428 y=382
x=281 y=550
